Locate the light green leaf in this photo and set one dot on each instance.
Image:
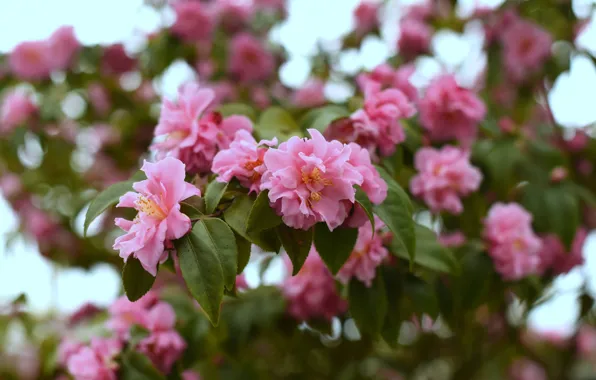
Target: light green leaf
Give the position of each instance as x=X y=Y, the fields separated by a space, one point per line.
x=213 y=194
x=277 y=122
x=136 y=366
x=107 y=198
x=230 y=109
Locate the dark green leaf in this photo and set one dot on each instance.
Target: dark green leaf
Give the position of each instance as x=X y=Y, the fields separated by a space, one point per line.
x=107 y=198
x=393 y=319
x=396 y=212
x=202 y=270
x=297 y=244
x=244 y=248
x=136 y=366
x=213 y=194
x=223 y=242
x=368 y=306
x=136 y=280
x=420 y=296
x=335 y=246
x=563 y=213
x=262 y=216
x=277 y=122
x=366 y=204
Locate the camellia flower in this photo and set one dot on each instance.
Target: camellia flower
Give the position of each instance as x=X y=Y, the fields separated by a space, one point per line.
x=164 y=346
x=242 y=160
x=234 y=14
x=194 y=21
x=191 y=136
x=310 y=95
x=367 y=255
x=526 y=46
x=311 y=180
x=448 y=111
x=116 y=61
x=513 y=246
x=402 y=81
x=249 y=60
x=312 y=292
x=377 y=124
x=556 y=257
x=414 y=38
x=30 y=60
x=124 y=314
x=66 y=349
x=444 y=176
x=63 y=46
x=95 y=362
x=157 y=200
x=17 y=108
x=365 y=16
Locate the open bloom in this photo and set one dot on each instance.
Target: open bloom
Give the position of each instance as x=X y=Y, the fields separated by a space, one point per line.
x=444 y=176
x=124 y=314
x=96 y=362
x=242 y=160
x=526 y=47
x=312 y=292
x=194 y=21
x=66 y=349
x=157 y=200
x=367 y=255
x=191 y=135
x=376 y=125
x=448 y=111
x=249 y=60
x=30 y=60
x=513 y=246
x=555 y=255
x=17 y=108
x=311 y=94
x=164 y=346
x=311 y=180
x=63 y=46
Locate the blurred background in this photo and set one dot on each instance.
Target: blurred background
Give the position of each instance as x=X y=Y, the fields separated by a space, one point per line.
x=51 y=288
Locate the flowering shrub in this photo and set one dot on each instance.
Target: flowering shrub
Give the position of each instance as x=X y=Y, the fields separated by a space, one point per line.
x=239 y=170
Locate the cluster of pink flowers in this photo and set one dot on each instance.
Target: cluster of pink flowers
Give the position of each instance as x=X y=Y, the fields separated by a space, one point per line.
x=96 y=361
x=194 y=21
x=444 y=176
x=312 y=180
x=368 y=254
x=384 y=76
x=249 y=59
x=243 y=160
x=191 y=135
x=17 y=109
x=157 y=200
x=34 y=60
x=526 y=47
x=448 y=111
x=513 y=245
x=312 y=292
x=555 y=256
x=376 y=125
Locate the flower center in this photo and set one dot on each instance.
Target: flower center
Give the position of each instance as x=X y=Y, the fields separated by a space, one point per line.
x=312 y=179
x=149 y=207
x=179 y=135
x=251 y=165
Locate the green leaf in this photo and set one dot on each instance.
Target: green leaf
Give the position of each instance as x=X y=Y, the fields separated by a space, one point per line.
x=237 y=216
x=335 y=246
x=223 y=243
x=136 y=366
x=419 y=296
x=366 y=204
x=202 y=270
x=137 y=333
x=393 y=319
x=563 y=213
x=191 y=211
x=368 y=306
x=244 y=248
x=429 y=252
x=136 y=280
x=277 y=122
x=320 y=118
x=230 y=109
x=262 y=216
x=297 y=244
x=396 y=212
x=107 y=198
x=213 y=194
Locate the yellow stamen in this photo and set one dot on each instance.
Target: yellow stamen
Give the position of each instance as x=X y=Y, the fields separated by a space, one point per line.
x=315 y=196
x=150 y=208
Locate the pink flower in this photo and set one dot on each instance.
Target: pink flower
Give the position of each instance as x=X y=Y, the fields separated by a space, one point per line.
x=526 y=369
x=17 y=109
x=402 y=82
x=414 y=39
x=586 y=341
x=454 y=239
x=68 y=348
x=443 y=177
x=555 y=256
x=381 y=77
x=377 y=124
x=311 y=180
x=30 y=60
x=95 y=362
x=116 y=61
x=448 y=111
x=365 y=16
x=312 y=293
x=83 y=313
x=234 y=14
x=372 y=183
x=260 y=97
x=191 y=136
x=164 y=346
x=526 y=47
x=99 y=98
x=190 y=375
x=249 y=60
x=514 y=247
x=157 y=200
x=310 y=95
x=124 y=314
x=241 y=283
x=63 y=46
x=194 y=21
x=242 y=160
x=367 y=255
x=10 y=185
